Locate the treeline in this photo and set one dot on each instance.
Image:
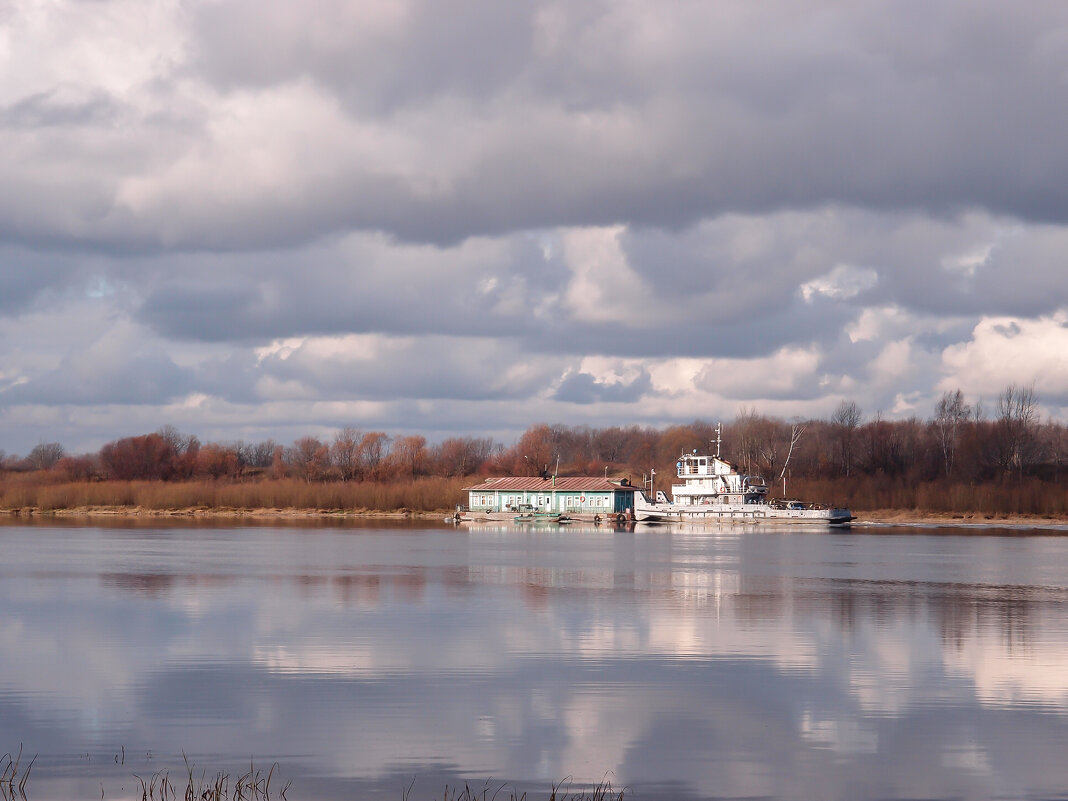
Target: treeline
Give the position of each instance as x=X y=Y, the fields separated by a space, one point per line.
x=963 y=458
x=352 y=455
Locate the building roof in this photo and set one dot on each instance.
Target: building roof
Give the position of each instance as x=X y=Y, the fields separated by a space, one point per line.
x=562 y=484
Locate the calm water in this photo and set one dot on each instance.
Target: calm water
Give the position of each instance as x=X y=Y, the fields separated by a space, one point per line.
x=799 y=664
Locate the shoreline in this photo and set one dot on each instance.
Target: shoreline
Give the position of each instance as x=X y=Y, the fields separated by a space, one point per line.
x=877 y=517
x=899 y=517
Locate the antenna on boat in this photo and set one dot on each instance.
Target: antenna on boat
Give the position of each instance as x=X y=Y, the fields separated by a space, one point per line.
x=719 y=437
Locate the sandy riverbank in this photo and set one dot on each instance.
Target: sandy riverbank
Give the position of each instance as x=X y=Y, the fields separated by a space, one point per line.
x=906 y=517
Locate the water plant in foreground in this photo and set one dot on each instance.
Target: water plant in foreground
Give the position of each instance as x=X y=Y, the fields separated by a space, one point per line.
x=250 y=786
x=560 y=792
x=9 y=772
x=254 y=785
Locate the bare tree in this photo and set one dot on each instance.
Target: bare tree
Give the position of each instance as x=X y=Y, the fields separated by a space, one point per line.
x=951 y=413
x=258 y=454
x=747 y=439
x=846 y=419
x=462 y=456
x=536 y=449
x=374 y=447
x=345 y=452
x=310 y=458
x=1016 y=428
x=184 y=447
x=796 y=430
x=179 y=442
x=409 y=455
x=45 y=455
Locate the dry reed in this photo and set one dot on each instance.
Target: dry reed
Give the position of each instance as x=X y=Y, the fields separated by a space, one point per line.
x=9 y=772
x=1030 y=496
x=562 y=792
x=46 y=495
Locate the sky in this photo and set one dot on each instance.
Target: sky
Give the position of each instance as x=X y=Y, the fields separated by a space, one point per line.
x=260 y=219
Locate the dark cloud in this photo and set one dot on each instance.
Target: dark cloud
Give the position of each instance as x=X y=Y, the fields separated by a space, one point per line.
x=438 y=123
x=359 y=285
x=110 y=372
x=26 y=276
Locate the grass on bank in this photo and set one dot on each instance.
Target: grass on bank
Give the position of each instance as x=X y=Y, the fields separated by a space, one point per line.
x=1028 y=497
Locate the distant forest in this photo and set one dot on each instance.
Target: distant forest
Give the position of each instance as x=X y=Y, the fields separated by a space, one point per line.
x=963 y=459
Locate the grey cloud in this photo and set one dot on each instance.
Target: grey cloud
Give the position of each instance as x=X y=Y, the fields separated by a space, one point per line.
x=505 y=288
x=575 y=115
x=87 y=378
x=60 y=107
x=584 y=388
x=358 y=285
x=375 y=63
x=25 y=277
x=211 y=313
x=428 y=367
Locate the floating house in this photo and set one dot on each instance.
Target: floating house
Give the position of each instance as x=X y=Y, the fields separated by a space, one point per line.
x=571 y=495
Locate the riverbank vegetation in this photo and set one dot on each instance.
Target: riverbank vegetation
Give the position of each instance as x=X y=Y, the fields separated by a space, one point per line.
x=963 y=459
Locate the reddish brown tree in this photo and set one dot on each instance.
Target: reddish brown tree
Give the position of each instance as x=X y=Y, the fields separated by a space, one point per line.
x=463 y=456
x=145 y=457
x=345 y=453
x=409 y=456
x=374 y=448
x=535 y=450
x=310 y=458
x=218 y=461
x=78 y=468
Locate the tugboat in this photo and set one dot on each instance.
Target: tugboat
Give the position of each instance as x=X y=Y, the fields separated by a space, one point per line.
x=712 y=490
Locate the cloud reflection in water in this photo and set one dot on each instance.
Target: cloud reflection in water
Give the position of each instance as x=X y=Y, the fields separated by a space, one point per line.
x=708 y=664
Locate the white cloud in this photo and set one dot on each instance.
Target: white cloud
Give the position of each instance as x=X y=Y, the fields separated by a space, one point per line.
x=603 y=287
x=893 y=363
x=873 y=323
x=1009 y=350
x=788 y=371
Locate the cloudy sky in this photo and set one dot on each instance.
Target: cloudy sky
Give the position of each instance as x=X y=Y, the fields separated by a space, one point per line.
x=265 y=218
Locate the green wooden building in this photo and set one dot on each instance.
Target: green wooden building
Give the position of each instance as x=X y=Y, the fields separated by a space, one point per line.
x=573 y=495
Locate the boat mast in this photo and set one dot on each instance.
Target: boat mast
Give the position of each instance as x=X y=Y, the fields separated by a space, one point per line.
x=719 y=437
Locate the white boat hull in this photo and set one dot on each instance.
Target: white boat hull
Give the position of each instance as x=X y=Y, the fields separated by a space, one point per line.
x=647 y=511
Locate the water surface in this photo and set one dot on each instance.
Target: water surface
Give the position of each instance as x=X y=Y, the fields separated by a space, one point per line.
x=681 y=663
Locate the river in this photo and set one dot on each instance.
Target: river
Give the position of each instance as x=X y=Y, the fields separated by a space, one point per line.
x=681 y=663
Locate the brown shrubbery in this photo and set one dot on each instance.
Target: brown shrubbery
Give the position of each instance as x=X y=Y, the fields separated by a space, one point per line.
x=37 y=491
x=958 y=462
